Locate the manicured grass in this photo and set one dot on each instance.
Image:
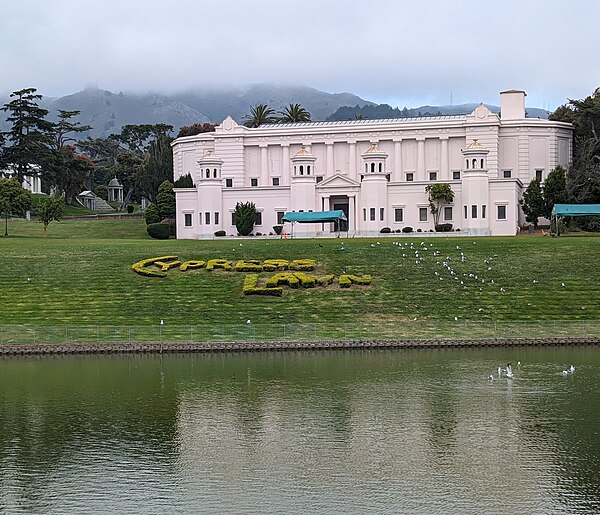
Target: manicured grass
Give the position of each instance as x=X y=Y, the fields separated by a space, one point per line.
x=80 y=274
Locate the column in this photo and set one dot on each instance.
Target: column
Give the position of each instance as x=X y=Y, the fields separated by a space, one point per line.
x=264 y=167
x=329 y=158
x=420 y=159
x=352 y=212
x=444 y=171
x=352 y=159
x=397 y=172
x=285 y=164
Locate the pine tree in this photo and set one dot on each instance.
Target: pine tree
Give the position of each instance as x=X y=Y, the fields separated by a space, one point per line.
x=533 y=202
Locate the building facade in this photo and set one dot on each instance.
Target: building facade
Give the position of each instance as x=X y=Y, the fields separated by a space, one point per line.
x=376 y=171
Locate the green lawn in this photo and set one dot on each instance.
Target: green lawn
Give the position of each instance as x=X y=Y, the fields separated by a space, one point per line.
x=80 y=274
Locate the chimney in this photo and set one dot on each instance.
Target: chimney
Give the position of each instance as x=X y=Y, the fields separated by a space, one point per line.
x=512 y=104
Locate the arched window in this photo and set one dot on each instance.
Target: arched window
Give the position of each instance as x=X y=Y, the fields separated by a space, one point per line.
x=482 y=164
x=301 y=170
x=295 y=170
x=381 y=167
x=307 y=169
x=467 y=164
x=208 y=173
x=372 y=167
x=366 y=168
x=215 y=173
x=474 y=164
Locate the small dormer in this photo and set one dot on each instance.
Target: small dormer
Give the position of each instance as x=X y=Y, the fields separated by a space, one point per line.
x=210 y=167
x=374 y=161
x=303 y=163
x=475 y=156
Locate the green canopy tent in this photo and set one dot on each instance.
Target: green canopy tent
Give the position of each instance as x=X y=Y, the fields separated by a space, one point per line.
x=560 y=210
x=312 y=217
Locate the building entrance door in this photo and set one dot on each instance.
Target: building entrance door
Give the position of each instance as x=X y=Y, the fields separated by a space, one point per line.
x=344 y=205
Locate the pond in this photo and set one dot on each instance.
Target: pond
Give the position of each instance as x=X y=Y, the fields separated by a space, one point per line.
x=380 y=431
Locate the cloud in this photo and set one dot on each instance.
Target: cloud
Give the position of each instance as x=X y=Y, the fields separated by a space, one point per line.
x=404 y=53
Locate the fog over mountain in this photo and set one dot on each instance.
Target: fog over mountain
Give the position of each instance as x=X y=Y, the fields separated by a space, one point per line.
x=108 y=111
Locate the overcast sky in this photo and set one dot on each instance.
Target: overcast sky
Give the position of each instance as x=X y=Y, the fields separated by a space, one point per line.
x=405 y=53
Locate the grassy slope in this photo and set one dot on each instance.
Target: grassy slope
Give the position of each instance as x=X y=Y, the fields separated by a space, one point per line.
x=80 y=275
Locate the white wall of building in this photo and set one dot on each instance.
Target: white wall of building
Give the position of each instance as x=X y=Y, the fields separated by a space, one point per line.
x=419 y=151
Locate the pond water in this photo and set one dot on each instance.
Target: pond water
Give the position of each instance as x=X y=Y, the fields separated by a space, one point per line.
x=382 y=431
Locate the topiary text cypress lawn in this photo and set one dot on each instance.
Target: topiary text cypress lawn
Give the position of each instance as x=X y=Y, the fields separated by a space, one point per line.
x=81 y=275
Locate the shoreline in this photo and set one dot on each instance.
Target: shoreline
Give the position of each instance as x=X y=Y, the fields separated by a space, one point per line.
x=216 y=347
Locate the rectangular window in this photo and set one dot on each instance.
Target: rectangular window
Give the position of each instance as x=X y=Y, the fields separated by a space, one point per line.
x=399 y=214
x=483 y=208
x=507 y=174
x=187 y=219
x=258 y=220
x=539 y=175
x=447 y=213
x=465 y=212
x=253 y=182
x=275 y=181
x=381 y=214
x=372 y=214
x=364 y=214
x=456 y=175
x=229 y=183
x=207 y=218
x=410 y=177
x=422 y=214
x=232 y=218
x=433 y=176
x=473 y=211
x=501 y=212
x=216 y=217
x=280 y=217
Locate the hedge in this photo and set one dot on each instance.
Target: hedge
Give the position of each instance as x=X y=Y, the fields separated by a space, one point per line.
x=159 y=231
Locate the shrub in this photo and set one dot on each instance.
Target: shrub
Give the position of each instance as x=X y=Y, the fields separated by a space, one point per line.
x=220 y=233
x=140 y=266
x=443 y=227
x=250 y=287
x=385 y=230
x=278 y=229
x=172 y=223
x=407 y=229
x=398 y=230
x=151 y=215
x=346 y=280
x=130 y=208
x=245 y=217
x=457 y=229
x=419 y=230
x=159 y=231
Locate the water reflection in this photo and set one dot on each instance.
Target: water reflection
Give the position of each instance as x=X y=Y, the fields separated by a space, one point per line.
x=371 y=432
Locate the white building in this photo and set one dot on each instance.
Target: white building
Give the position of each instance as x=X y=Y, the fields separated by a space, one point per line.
x=374 y=170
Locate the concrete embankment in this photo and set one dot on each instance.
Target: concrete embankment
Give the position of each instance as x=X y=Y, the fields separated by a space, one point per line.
x=174 y=347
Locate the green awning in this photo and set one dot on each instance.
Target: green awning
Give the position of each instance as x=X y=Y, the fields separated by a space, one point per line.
x=575 y=209
x=307 y=217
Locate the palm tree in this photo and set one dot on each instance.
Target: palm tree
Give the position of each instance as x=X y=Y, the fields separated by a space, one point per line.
x=294 y=113
x=260 y=114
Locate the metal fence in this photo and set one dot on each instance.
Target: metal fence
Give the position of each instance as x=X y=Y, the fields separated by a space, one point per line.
x=412 y=330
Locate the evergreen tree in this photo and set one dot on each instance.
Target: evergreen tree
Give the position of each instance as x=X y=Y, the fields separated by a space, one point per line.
x=555 y=189
x=533 y=203
x=245 y=216
x=165 y=200
x=185 y=181
x=294 y=113
x=27 y=141
x=260 y=114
